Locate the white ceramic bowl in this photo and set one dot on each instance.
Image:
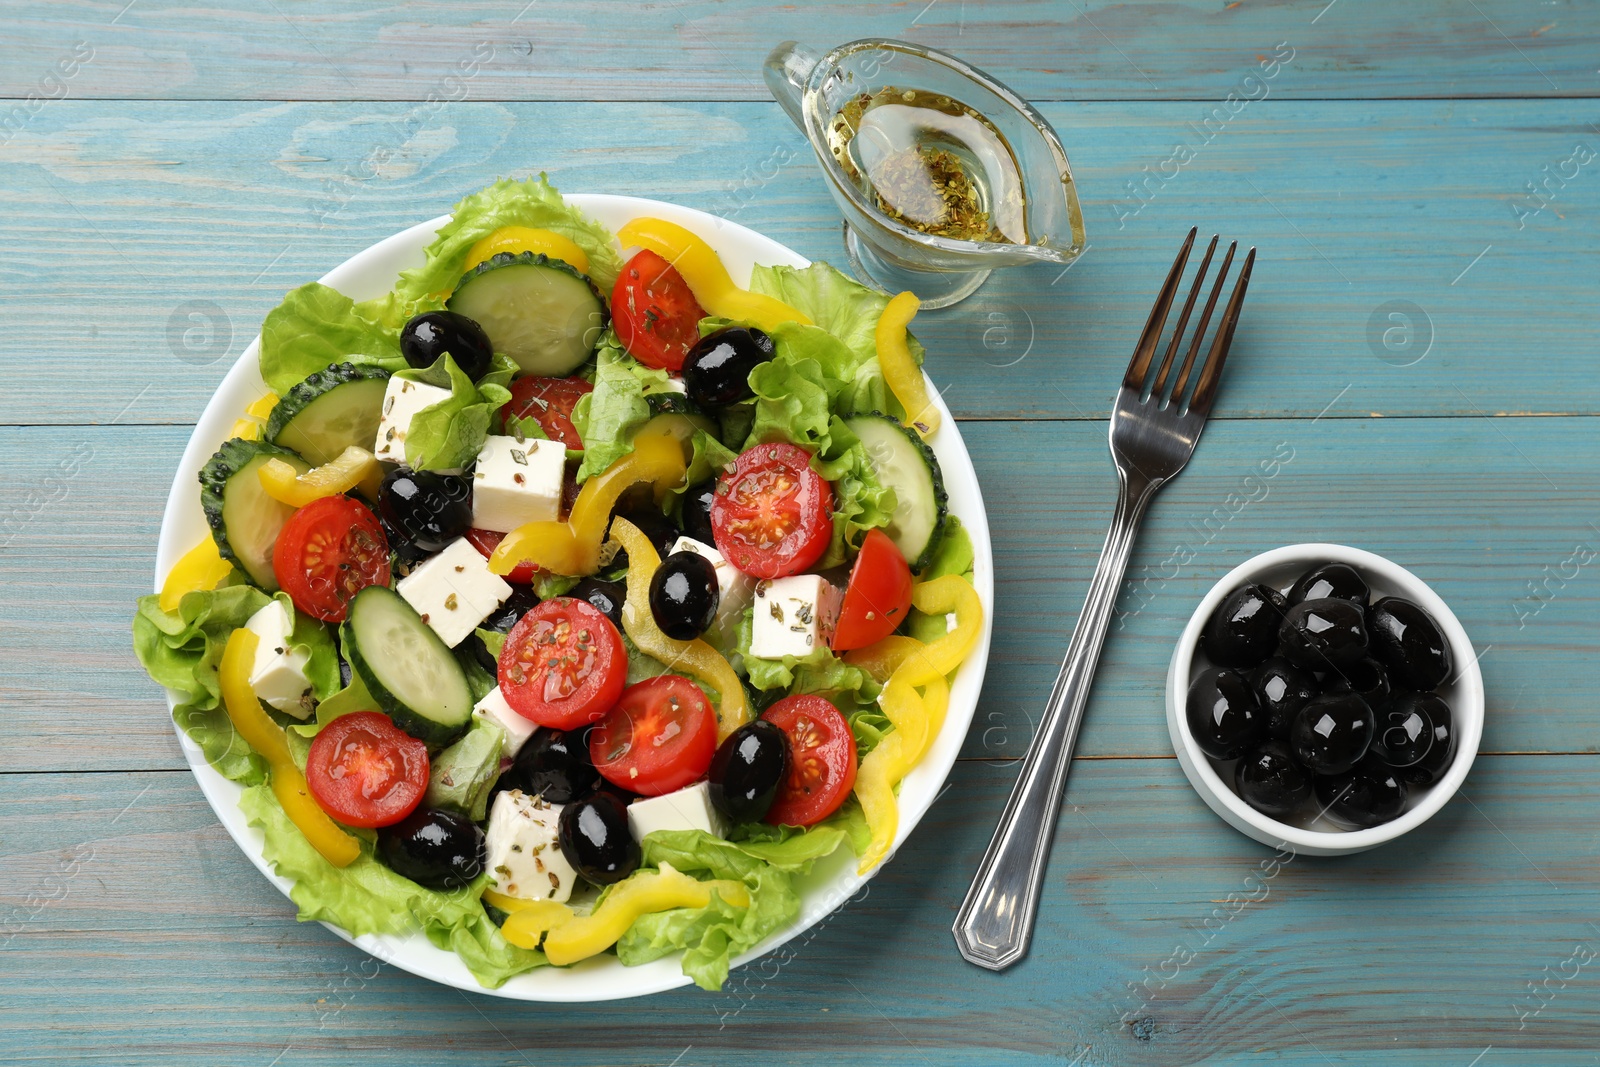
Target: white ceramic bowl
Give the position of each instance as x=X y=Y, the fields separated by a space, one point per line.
x=832 y=881
x=1213 y=779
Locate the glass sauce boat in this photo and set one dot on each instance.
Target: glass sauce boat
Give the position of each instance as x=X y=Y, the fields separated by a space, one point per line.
x=941 y=172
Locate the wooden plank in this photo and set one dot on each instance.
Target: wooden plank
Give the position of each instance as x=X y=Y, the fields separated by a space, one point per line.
x=1415 y=954
x=169 y=229
x=1459 y=501
x=699 y=50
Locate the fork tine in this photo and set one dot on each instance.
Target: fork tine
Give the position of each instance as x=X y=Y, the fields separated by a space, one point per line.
x=1200 y=329
x=1158 y=392
x=1139 y=366
x=1206 y=391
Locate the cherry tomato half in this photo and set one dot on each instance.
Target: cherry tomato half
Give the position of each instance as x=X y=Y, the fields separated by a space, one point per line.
x=654 y=312
x=563 y=664
x=486 y=541
x=878 y=596
x=659 y=738
x=364 y=770
x=822 y=760
x=549 y=402
x=772 y=516
x=327 y=552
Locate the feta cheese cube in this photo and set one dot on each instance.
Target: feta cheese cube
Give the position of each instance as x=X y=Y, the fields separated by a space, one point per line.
x=524 y=848
x=454 y=591
x=735 y=589
x=792 y=616
x=517 y=481
x=494 y=708
x=401 y=402
x=278 y=675
x=687 y=809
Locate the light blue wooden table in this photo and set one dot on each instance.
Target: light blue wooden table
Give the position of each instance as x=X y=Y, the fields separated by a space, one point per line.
x=167 y=170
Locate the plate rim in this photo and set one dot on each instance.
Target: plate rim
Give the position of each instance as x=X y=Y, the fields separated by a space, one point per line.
x=835 y=875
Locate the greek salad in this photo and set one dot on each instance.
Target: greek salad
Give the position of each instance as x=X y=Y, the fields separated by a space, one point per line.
x=571 y=599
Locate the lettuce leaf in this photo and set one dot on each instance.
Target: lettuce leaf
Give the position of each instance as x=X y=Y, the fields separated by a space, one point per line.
x=834 y=302
x=953 y=555
x=711 y=937
x=607 y=418
x=449 y=435
x=368 y=898
x=508 y=202
x=316 y=326
x=182 y=651
x=461 y=776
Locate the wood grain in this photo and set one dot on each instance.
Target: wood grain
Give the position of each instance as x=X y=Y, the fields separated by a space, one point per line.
x=698 y=50
x=1433 y=941
x=171 y=228
x=1464 y=507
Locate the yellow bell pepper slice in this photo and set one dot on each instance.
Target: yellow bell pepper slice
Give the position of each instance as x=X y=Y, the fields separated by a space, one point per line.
x=573 y=547
x=200 y=569
x=917 y=719
x=267 y=738
x=527 y=239
x=526 y=925
x=351 y=469
x=880 y=659
x=254 y=419
x=695 y=658
x=900 y=370
x=641 y=893
x=707 y=278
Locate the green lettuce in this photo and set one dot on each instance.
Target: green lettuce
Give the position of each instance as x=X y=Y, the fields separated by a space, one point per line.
x=508 y=202
x=449 y=435
x=953 y=555
x=461 y=776
x=607 y=418
x=182 y=650
x=713 y=936
x=838 y=304
x=316 y=326
x=368 y=898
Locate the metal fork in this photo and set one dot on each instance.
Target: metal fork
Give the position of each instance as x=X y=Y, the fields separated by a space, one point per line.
x=1153 y=434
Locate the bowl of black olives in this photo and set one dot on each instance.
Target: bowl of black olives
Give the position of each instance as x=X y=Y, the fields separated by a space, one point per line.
x=1325 y=699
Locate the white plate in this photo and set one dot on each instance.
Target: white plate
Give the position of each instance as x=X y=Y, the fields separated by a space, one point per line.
x=833 y=881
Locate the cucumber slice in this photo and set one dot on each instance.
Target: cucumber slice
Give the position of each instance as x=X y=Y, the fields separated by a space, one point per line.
x=412 y=674
x=244 y=520
x=539 y=311
x=902 y=460
x=330 y=411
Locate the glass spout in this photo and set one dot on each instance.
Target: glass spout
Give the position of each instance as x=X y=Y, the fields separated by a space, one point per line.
x=786 y=70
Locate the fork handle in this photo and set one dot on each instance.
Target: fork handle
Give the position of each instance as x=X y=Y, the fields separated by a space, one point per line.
x=995 y=923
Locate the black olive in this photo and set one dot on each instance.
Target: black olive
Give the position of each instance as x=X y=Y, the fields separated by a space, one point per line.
x=1223 y=716
x=433 y=333
x=433 y=847
x=747 y=770
x=595 y=839
x=425 y=510
x=684 y=594
x=1268 y=779
x=554 y=764
x=1337 y=580
x=716 y=372
x=1243 y=629
x=1368 y=795
x=1317 y=634
x=697 y=511
x=1441 y=723
x=1409 y=643
x=1404 y=735
x=1331 y=733
x=605 y=597
x=1281 y=689
x=1365 y=677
